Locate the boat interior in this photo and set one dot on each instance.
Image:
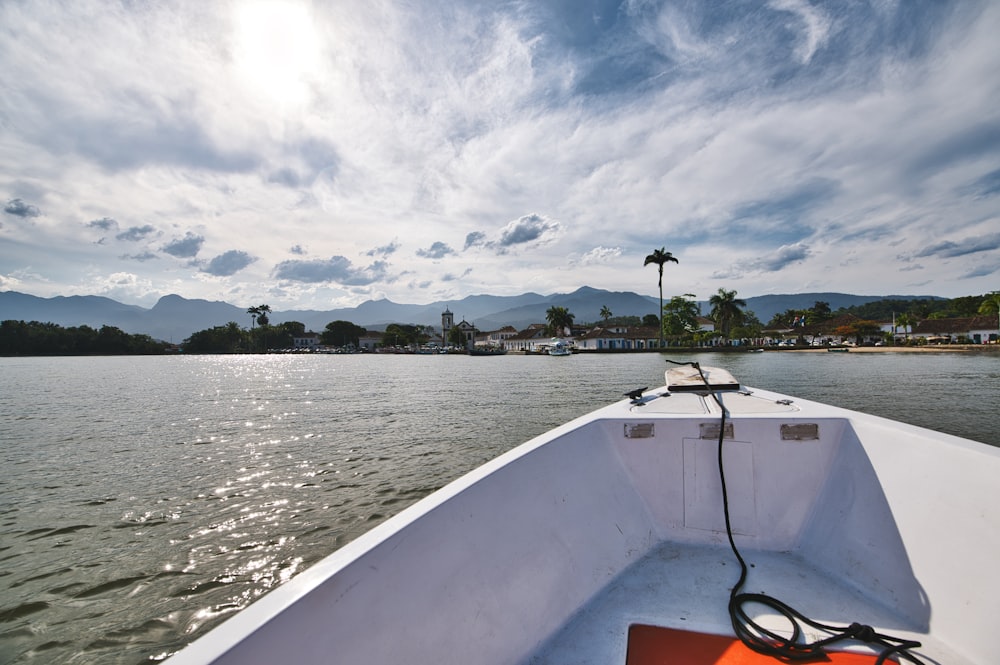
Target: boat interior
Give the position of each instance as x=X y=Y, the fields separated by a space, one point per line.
x=606 y=541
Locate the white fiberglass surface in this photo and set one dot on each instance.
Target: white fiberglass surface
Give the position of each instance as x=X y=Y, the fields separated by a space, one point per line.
x=687 y=587
x=623 y=520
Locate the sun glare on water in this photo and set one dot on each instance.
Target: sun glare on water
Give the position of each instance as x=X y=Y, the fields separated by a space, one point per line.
x=276 y=49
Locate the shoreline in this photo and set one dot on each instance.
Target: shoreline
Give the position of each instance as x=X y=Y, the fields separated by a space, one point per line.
x=942 y=348
x=936 y=348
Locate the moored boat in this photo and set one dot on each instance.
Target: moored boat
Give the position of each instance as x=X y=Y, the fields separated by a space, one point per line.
x=655 y=523
x=487 y=351
x=559 y=347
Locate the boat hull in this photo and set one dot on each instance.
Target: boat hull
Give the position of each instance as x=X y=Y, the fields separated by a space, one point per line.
x=551 y=551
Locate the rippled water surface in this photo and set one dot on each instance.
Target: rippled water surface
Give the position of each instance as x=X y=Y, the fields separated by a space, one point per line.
x=143 y=500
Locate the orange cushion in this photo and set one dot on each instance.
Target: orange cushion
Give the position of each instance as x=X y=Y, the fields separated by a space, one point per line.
x=652 y=645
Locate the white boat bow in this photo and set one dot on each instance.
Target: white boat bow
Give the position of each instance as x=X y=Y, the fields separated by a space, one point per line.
x=554 y=551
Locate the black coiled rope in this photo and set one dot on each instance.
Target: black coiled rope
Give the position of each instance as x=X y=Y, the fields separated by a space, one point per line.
x=790 y=648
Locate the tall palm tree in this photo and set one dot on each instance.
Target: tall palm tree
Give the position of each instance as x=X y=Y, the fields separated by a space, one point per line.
x=606 y=314
x=258 y=314
x=727 y=310
x=659 y=257
x=254 y=312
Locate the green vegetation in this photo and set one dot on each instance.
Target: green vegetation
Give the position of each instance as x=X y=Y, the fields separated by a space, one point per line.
x=792 y=318
x=405 y=334
x=341 y=333
x=18 y=338
x=456 y=338
x=680 y=316
x=230 y=338
x=990 y=304
x=727 y=311
x=559 y=319
x=906 y=312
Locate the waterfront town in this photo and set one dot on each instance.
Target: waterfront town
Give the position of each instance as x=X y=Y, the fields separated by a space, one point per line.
x=962 y=323
x=842 y=331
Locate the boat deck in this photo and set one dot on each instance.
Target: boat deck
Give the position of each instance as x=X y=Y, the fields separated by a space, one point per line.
x=550 y=553
x=687 y=587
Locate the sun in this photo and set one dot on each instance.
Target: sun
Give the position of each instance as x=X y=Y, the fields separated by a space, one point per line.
x=276 y=48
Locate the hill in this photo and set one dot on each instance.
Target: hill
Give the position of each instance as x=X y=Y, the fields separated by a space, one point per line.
x=174 y=318
x=765 y=307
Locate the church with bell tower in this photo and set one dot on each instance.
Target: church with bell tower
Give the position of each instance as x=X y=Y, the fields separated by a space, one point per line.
x=448 y=322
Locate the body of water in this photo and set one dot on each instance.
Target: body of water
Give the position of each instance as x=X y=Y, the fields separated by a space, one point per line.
x=145 y=499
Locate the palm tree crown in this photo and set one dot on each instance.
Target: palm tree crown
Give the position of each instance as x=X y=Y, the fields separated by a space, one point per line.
x=727 y=310
x=559 y=319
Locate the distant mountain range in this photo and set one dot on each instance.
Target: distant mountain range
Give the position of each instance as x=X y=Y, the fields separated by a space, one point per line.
x=174 y=318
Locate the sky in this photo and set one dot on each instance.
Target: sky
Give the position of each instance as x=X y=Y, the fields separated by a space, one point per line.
x=320 y=154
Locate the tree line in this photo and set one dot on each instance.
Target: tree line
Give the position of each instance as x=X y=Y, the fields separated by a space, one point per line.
x=33 y=338
x=262 y=336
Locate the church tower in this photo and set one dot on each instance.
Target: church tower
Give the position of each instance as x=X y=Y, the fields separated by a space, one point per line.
x=447 y=323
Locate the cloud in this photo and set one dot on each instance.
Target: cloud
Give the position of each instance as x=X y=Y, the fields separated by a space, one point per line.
x=985 y=185
x=437 y=250
x=105 y=224
x=297 y=250
x=600 y=255
x=817 y=26
x=19 y=208
x=169 y=136
x=526 y=229
x=229 y=263
x=474 y=239
x=135 y=233
x=775 y=261
x=285 y=176
x=796 y=202
x=780 y=258
x=336 y=269
x=384 y=250
x=186 y=247
x=949 y=249
x=142 y=258
x=983 y=270
x=452 y=277
x=122 y=286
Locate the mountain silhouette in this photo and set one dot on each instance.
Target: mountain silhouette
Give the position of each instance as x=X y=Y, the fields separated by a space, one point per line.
x=174 y=318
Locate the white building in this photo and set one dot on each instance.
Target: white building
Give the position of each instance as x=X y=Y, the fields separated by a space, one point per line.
x=306 y=341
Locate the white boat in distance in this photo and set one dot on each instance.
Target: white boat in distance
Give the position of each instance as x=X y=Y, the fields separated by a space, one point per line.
x=559 y=347
x=679 y=521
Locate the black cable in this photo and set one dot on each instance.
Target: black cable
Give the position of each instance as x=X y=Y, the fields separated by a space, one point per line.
x=767 y=642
